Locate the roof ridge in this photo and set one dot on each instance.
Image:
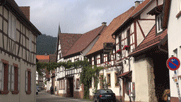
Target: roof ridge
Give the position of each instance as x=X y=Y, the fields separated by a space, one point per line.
x=97 y=35
x=87 y=33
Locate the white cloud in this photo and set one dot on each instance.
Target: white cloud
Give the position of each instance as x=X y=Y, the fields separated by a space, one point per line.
x=74 y=16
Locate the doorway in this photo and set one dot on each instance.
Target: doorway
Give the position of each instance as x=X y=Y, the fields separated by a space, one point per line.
x=161 y=73
x=70 y=87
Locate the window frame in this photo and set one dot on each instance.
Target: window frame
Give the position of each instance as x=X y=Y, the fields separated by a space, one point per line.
x=12 y=26
x=77 y=83
x=159 y=23
x=15 y=90
x=5 y=85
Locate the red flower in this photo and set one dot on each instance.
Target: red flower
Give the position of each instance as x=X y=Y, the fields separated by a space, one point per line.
x=118 y=51
x=126 y=47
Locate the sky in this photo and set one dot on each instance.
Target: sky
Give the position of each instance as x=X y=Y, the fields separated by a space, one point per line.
x=73 y=16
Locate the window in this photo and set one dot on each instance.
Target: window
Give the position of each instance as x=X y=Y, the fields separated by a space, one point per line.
x=60 y=84
x=77 y=84
x=128 y=38
x=90 y=61
x=12 y=26
x=175 y=53
x=108 y=57
x=76 y=59
x=4 y=80
x=60 y=55
x=158 y=23
x=101 y=58
x=95 y=60
x=63 y=84
x=9 y=78
x=120 y=46
x=116 y=79
x=15 y=79
x=28 y=80
x=108 y=79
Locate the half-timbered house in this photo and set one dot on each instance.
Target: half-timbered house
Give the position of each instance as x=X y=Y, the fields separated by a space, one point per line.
x=141 y=52
x=17 y=54
x=99 y=57
x=68 y=79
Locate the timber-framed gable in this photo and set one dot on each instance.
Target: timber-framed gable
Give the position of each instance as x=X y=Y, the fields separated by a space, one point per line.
x=19 y=46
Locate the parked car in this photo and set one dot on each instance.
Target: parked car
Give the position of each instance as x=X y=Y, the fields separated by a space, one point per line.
x=104 y=95
x=36 y=91
x=38 y=88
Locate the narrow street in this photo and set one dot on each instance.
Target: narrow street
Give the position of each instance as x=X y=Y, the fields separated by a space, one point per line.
x=46 y=97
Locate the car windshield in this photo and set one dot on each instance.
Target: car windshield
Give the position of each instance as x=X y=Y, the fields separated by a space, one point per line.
x=106 y=91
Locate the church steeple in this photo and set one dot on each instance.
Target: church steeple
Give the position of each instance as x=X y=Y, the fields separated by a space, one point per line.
x=59 y=30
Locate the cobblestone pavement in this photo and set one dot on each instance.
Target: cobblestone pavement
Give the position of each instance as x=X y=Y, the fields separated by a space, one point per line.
x=46 y=97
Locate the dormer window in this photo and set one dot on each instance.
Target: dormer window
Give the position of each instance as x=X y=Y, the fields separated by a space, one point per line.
x=158 y=23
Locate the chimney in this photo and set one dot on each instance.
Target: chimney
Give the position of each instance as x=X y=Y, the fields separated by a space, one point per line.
x=26 y=11
x=137 y=3
x=103 y=23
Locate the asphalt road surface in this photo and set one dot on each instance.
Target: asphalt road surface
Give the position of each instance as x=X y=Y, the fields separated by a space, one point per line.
x=46 y=97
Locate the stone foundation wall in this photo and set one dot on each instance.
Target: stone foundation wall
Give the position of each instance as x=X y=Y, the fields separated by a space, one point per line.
x=79 y=94
x=174 y=99
x=151 y=78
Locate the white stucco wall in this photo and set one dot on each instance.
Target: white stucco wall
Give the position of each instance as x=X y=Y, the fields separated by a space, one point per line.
x=174 y=42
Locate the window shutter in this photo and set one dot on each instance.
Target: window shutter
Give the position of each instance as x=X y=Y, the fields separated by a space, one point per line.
x=1 y=76
x=18 y=79
x=12 y=78
x=9 y=77
x=31 y=80
x=26 y=80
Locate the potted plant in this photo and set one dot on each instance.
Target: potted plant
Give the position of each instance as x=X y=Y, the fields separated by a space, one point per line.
x=126 y=47
x=118 y=51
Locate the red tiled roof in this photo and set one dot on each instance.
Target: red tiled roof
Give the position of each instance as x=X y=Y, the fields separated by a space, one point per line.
x=67 y=40
x=85 y=40
x=52 y=58
x=140 y=7
x=151 y=40
x=43 y=58
x=26 y=11
x=125 y=74
x=106 y=36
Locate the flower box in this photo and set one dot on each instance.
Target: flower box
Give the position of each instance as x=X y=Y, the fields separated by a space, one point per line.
x=118 y=51
x=126 y=47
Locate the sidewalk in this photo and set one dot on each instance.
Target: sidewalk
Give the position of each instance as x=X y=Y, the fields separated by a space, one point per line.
x=55 y=95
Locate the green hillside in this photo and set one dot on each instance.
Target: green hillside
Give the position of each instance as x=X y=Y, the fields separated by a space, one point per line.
x=46 y=44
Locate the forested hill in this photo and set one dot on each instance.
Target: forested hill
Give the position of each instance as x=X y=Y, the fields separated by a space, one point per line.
x=46 y=44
